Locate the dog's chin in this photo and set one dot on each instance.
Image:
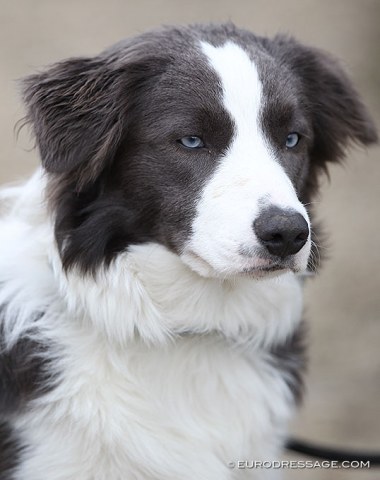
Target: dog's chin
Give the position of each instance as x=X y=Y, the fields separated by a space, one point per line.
x=265 y=273
x=257 y=269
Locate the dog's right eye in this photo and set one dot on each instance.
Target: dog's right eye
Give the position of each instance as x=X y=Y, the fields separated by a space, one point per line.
x=192 y=141
x=292 y=140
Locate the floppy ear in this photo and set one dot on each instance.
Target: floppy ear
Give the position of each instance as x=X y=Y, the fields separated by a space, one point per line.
x=76 y=110
x=338 y=115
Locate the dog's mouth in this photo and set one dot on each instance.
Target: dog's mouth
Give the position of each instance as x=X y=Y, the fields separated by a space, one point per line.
x=273 y=268
x=268 y=271
x=260 y=264
x=257 y=267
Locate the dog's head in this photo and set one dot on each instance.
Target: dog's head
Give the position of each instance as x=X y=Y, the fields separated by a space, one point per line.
x=207 y=140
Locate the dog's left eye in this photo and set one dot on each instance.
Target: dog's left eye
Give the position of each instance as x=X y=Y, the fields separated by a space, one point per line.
x=192 y=142
x=292 y=140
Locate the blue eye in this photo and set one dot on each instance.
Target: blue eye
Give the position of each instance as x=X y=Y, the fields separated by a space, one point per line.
x=192 y=142
x=292 y=140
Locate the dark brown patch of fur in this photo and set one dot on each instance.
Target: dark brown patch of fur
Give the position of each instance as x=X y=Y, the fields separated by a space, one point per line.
x=290 y=359
x=9 y=452
x=24 y=370
x=23 y=374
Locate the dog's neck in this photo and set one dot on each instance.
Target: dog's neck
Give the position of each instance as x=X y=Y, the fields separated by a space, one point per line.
x=148 y=291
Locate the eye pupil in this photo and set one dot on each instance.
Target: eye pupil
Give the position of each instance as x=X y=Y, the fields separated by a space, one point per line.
x=292 y=140
x=192 y=141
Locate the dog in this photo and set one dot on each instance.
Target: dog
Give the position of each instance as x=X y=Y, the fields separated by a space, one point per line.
x=151 y=270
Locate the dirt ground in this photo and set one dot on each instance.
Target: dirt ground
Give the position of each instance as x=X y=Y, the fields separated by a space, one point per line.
x=342 y=404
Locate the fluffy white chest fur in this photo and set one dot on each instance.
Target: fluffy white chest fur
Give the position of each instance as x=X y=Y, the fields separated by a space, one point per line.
x=159 y=373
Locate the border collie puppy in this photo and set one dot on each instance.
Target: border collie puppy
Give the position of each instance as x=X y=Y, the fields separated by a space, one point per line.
x=150 y=292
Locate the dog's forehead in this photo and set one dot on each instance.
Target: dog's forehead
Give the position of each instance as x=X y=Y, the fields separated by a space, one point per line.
x=195 y=62
x=208 y=68
x=228 y=64
x=239 y=77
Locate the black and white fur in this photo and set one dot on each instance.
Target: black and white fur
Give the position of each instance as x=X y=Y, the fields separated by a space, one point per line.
x=146 y=330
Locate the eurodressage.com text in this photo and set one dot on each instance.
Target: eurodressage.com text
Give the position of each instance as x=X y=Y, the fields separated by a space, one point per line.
x=298 y=464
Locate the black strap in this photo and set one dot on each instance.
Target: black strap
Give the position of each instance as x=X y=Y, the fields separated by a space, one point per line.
x=333 y=454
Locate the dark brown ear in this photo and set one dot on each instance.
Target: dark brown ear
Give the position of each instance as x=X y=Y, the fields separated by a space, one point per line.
x=338 y=115
x=77 y=111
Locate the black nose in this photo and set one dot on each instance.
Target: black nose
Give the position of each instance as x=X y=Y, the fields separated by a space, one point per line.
x=282 y=232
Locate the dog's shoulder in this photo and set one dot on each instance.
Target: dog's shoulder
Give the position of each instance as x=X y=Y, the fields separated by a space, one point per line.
x=24 y=295
x=23 y=373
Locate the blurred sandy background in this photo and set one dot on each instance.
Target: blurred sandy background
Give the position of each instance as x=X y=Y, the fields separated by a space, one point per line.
x=342 y=405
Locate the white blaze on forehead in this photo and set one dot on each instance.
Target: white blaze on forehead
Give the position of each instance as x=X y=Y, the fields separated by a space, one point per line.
x=247 y=175
x=250 y=153
x=240 y=81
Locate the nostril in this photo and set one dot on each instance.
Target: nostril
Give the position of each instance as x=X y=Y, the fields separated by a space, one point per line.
x=303 y=236
x=276 y=237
